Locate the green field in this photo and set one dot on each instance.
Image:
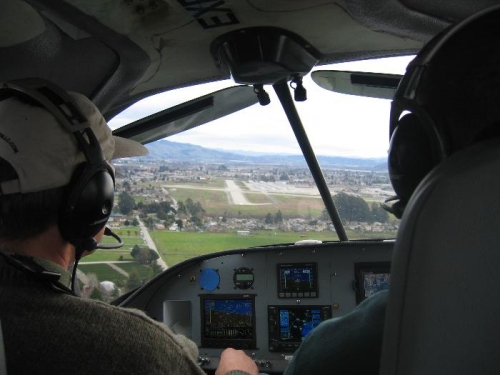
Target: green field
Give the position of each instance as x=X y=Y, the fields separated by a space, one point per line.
x=102 y=271
x=258 y=198
x=143 y=271
x=128 y=231
x=215 y=203
x=201 y=184
x=175 y=247
x=131 y=236
x=241 y=184
x=207 y=198
x=105 y=273
x=215 y=182
x=102 y=255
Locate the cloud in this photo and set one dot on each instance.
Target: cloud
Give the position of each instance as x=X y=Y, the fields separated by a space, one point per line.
x=336 y=124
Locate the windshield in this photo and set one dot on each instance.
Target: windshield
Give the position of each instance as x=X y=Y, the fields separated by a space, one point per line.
x=241 y=181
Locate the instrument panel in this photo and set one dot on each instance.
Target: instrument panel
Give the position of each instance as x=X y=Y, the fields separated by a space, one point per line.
x=264 y=300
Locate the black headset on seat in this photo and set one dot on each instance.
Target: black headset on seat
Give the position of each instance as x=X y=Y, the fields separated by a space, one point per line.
x=90 y=193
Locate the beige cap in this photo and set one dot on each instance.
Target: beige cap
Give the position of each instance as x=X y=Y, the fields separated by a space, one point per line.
x=43 y=153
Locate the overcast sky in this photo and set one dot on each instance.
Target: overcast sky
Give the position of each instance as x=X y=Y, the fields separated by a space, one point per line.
x=336 y=124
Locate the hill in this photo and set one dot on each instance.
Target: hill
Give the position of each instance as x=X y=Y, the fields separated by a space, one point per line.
x=175 y=151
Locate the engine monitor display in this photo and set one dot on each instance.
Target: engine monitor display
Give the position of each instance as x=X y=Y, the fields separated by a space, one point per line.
x=297 y=280
x=228 y=321
x=289 y=325
x=371 y=278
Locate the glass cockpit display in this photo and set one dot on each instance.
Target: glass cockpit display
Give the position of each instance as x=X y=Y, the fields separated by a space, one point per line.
x=297 y=280
x=295 y=324
x=228 y=321
x=289 y=325
x=371 y=278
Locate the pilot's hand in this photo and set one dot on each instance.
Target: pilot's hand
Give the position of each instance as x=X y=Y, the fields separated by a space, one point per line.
x=232 y=359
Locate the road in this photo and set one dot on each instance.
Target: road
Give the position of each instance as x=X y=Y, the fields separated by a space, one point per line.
x=151 y=244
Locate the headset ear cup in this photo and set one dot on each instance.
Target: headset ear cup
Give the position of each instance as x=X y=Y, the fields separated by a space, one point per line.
x=88 y=206
x=413 y=152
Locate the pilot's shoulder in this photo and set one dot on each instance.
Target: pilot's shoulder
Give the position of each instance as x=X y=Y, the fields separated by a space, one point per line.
x=122 y=323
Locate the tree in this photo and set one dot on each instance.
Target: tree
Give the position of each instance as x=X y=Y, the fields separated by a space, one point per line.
x=379 y=214
x=144 y=255
x=135 y=222
x=96 y=294
x=149 y=221
x=269 y=218
x=181 y=208
x=126 y=203
x=165 y=206
x=161 y=214
x=278 y=218
x=134 y=280
x=135 y=251
x=153 y=255
x=352 y=208
x=154 y=270
x=179 y=224
x=196 y=221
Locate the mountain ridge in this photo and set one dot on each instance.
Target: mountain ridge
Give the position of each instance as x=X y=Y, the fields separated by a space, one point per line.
x=176 y=151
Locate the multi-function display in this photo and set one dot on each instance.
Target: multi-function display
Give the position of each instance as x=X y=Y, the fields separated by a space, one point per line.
x=297 y=280
x=289 y=325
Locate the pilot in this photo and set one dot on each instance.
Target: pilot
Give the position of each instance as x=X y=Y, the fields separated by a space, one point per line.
x=447 y=100
x=56 y=195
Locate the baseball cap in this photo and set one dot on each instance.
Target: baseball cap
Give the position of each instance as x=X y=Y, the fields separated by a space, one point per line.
x=43 y=152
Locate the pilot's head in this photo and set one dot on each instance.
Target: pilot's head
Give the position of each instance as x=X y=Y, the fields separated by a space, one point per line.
x=55 y=149
x=448 y=99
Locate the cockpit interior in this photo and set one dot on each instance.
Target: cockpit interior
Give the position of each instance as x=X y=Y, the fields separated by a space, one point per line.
x=315 y=265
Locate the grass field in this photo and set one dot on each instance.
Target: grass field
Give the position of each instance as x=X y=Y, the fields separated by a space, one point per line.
x=216 y=183
x=105 y=273
x=207 y=198
x=259 y=198
x=108 y=256
x=143 y=271
x=130 y=235
x=215 y=203
x=175 y=247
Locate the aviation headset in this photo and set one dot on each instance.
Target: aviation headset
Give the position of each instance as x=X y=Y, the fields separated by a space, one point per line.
x=417 y=144
x=88 y=200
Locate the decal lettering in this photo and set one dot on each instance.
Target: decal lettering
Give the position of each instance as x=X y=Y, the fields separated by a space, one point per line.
x=208 y=13
x=9 y=141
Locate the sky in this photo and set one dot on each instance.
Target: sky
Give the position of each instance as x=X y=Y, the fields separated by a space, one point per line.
x=336 y=124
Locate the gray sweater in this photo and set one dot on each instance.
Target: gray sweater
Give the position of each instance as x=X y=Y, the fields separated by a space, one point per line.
x=50 y=332
x=348 y=345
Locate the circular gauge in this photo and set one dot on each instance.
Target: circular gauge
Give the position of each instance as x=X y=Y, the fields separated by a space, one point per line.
x=243 y=278
x=209 y=279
